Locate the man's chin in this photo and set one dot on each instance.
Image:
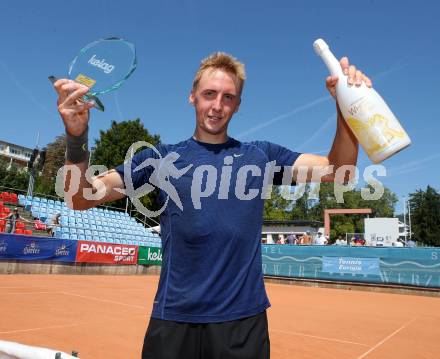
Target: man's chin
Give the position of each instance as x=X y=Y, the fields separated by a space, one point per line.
x=215 y=130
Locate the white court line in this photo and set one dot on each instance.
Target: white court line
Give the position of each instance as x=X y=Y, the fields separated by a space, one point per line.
x=27 y=286
x=7 y=293
x=41 y=328
x=318 y=337
x=104 y=300
x=385 y=339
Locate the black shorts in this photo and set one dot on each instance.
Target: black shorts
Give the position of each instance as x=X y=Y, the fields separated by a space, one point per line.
x=246 y=338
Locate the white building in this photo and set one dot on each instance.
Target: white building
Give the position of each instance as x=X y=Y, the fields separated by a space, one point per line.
x=273 y=228
x=15 y=154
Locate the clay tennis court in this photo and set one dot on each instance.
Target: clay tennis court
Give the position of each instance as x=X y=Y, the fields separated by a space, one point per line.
x=106 y=317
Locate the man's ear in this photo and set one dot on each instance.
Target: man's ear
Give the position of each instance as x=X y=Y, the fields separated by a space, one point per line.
x=191 y=98
x=238 y=106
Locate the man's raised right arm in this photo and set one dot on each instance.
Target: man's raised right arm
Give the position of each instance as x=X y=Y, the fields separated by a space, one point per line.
x=81 y=190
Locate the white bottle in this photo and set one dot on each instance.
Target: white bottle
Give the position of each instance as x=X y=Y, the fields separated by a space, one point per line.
x=372 y=122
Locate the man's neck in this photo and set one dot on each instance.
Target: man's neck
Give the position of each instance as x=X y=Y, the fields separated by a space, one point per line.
x=212 y=139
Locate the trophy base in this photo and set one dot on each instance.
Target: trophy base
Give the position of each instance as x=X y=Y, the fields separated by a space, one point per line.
x=87 y=97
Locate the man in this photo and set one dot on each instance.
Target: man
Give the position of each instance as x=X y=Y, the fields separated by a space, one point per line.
x=211 y=301
x=398 y=243
x=340 y=241
x=306 y=239
x=12 y=219
x=320 y=239
x=53 y=224
x=291 y=239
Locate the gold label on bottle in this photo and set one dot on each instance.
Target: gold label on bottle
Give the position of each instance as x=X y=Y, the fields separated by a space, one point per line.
x=375 y=135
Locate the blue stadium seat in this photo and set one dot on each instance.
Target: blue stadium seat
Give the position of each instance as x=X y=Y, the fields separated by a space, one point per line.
x=58 y=232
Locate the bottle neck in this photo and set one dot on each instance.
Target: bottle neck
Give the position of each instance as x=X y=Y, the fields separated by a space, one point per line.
x=332 y=63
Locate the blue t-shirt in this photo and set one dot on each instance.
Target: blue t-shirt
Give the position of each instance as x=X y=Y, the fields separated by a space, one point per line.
x=211 y=225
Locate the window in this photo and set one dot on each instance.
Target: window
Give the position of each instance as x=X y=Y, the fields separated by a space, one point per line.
x=15 y=151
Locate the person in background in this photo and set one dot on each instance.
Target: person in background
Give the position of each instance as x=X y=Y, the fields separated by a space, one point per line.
x=398 y=243
x=281 y=239
x=291 y=239
x=53 y=224
x=306 y=239
x=410 y=243
x=320 y=240
x=340 y=241
x=12 y=219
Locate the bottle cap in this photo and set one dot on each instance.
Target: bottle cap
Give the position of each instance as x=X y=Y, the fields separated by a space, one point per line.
x=319 y=46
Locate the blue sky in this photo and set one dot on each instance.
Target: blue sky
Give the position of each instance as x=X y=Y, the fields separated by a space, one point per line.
x=284 y=100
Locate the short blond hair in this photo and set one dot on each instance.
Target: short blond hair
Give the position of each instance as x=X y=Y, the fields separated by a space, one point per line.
x=221 y=61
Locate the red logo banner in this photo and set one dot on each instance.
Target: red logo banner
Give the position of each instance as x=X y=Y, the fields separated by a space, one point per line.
x=98 y=252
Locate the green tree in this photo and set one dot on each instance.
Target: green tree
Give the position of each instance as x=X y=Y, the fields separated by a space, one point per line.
x=12 y=176
x=276 y=207
x=112 y=146
x=55 y=157
x=425 y=216
x=341 y=224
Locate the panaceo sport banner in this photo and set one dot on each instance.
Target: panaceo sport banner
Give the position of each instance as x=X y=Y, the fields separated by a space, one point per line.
x=150 y=255
x=21 y=247
x=98 y=252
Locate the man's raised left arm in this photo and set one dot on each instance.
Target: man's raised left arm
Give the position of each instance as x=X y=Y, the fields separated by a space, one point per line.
x=344 y=151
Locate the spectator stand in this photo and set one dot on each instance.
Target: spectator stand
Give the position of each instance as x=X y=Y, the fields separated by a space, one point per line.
x=96 y=224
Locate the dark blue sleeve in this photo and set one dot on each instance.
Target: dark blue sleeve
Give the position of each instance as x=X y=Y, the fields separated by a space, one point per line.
x=141 y=176
x=280 y=154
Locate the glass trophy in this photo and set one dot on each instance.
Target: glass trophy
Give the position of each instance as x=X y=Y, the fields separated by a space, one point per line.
x=103 y=66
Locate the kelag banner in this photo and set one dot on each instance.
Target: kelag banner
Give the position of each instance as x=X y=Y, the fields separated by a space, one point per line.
x=36 y=248
x=150 y=255
x=405 y=266
x=99 y=252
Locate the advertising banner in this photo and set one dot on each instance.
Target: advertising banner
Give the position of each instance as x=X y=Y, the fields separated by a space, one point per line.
x=99 y=252
x=30 y=248
x=150 y=255
x=385 y=265
x=351 y=265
